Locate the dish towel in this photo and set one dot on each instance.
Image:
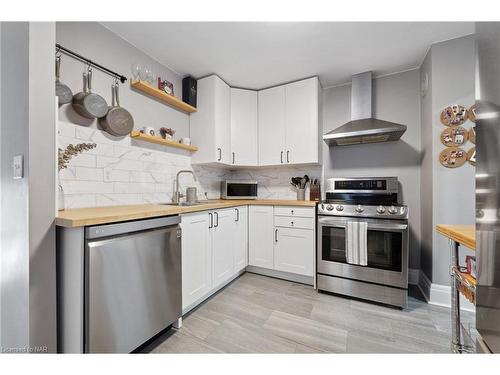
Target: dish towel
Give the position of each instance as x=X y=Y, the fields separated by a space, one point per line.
x=356 y=252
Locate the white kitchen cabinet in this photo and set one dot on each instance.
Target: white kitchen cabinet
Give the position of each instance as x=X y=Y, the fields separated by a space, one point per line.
x=289 y=123
x=302 y=121
x=294 y=251
x=244 y=122
x=210 y=125
x=260 y=236
x=272 y=126
x=196 y=257
x=240 y=243
x=223 y=241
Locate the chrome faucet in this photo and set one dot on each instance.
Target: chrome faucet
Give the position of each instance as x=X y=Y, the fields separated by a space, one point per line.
x=177 y=194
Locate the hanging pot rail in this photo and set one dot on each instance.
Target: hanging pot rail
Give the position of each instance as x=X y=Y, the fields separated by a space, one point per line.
x=77 y=56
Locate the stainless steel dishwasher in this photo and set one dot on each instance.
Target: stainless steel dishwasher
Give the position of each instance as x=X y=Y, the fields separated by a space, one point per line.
x=132 y=283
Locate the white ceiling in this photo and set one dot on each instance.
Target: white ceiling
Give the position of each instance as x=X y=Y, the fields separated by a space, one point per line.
x=262 y=54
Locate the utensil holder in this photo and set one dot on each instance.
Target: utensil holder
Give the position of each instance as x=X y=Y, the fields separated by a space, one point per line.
x=301 y=194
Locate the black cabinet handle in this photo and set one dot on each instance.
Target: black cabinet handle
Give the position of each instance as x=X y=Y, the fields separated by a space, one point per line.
x=233 y=157
x=276 y=235
x=237 y=214
x=288 y=156
x=292 y=212
x=281 y=157
x=217 y=219
x=211 y=225
x=220 y=154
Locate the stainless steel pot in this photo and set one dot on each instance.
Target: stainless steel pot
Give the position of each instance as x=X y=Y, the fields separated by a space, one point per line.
x=63 y=92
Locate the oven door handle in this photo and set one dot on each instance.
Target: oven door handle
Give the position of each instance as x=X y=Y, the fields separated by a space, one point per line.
x=399 y=227
x=331 y=223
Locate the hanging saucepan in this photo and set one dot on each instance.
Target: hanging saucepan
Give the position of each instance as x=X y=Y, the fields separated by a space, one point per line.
x=63 y=92
x=118 y=121
x=88 y=104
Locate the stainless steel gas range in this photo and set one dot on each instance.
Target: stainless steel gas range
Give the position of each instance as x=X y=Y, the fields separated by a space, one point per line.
x=363 y=240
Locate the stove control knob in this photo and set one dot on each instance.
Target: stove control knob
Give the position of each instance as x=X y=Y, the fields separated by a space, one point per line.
x=329 y=207
x=380 y=209
x=359 y=208
x=339 y=208
x=393 y=210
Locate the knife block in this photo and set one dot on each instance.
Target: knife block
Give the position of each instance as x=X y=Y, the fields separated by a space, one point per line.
x=315 y=192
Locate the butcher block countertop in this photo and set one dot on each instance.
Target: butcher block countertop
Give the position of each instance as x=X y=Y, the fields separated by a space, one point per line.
x=79 y=217
x=463 y=234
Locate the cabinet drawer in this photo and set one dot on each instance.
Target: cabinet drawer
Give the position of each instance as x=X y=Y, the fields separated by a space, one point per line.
x=294 y=211
x=294 y=222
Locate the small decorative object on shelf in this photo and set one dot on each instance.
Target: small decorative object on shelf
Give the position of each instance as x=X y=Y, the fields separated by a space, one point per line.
x=148 y=130
x=159 y=140
x=471 y=156
x=454 y=136
x=453 y=115
x=166 y=86
x=167 y=133
x=453 y=157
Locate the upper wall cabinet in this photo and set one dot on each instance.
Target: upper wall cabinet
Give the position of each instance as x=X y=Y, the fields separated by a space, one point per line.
x=244 y=141
x=288 y=123
x=210 y=127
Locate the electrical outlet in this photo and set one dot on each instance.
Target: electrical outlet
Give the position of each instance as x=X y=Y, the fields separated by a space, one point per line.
x=18 y=167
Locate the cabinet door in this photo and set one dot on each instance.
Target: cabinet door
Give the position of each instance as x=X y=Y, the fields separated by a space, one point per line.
x=223 y=233
x=222 y=122
x=244 y=120
x=260 y=236
x=272 y=126
x=196 y=257
x=294 y=251
x=302 y=121
x=240 y=244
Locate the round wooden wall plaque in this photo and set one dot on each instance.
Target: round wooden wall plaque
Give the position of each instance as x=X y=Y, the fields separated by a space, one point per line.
x=454 y=136
x=452 y=115
x=471 y=156
x=471 y=113
x=472 y=134
x=452 y=157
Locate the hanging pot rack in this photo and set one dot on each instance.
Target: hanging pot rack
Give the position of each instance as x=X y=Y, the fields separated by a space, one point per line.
x=81 y=58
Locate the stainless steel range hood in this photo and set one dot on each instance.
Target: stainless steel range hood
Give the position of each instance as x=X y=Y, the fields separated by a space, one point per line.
x=363 y=128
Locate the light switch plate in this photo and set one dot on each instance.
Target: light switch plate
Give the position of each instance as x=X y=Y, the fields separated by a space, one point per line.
x=18 y=167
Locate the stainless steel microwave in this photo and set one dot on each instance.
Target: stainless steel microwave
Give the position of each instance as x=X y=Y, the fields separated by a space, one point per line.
x=238 y=189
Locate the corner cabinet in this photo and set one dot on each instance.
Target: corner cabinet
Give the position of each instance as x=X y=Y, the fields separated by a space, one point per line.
x=210 y=127
x=289 y=124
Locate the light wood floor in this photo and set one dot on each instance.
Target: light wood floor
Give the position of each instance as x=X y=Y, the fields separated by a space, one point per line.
x=258 y=314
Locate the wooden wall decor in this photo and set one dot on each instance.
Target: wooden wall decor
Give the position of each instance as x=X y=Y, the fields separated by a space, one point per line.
x=454 y=136
x=453 y=115
x=471 y=156
x=472 y=134
x=471 y=113
x=452 y=157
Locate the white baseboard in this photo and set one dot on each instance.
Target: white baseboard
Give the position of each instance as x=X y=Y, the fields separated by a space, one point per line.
x=440 y=295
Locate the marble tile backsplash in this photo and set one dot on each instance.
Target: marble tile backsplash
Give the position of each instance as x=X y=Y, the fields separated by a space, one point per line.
x=121 y=170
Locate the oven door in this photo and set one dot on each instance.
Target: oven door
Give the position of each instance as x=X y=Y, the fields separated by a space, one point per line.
x=387 y=246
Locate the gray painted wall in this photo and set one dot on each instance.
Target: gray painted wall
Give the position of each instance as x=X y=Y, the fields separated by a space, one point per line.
x=28 y=287
x=396 y=98
x=94 y=41
x=453 y=81
x=14 y=141
x=426 y=171
x=42 y=162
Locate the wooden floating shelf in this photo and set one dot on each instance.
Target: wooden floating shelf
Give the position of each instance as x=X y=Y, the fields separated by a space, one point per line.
x=161 y=95
x=158 y=140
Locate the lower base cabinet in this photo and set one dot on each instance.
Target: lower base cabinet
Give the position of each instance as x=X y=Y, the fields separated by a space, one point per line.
x=214 y=251
x=293 y=251
x=260 y=236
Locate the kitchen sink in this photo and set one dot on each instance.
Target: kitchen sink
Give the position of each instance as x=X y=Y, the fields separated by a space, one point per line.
x=182 y=204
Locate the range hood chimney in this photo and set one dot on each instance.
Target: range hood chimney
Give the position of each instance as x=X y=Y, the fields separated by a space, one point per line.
x=363 y=128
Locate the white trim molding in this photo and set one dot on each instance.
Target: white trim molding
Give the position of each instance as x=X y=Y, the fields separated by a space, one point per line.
x=440 y=295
